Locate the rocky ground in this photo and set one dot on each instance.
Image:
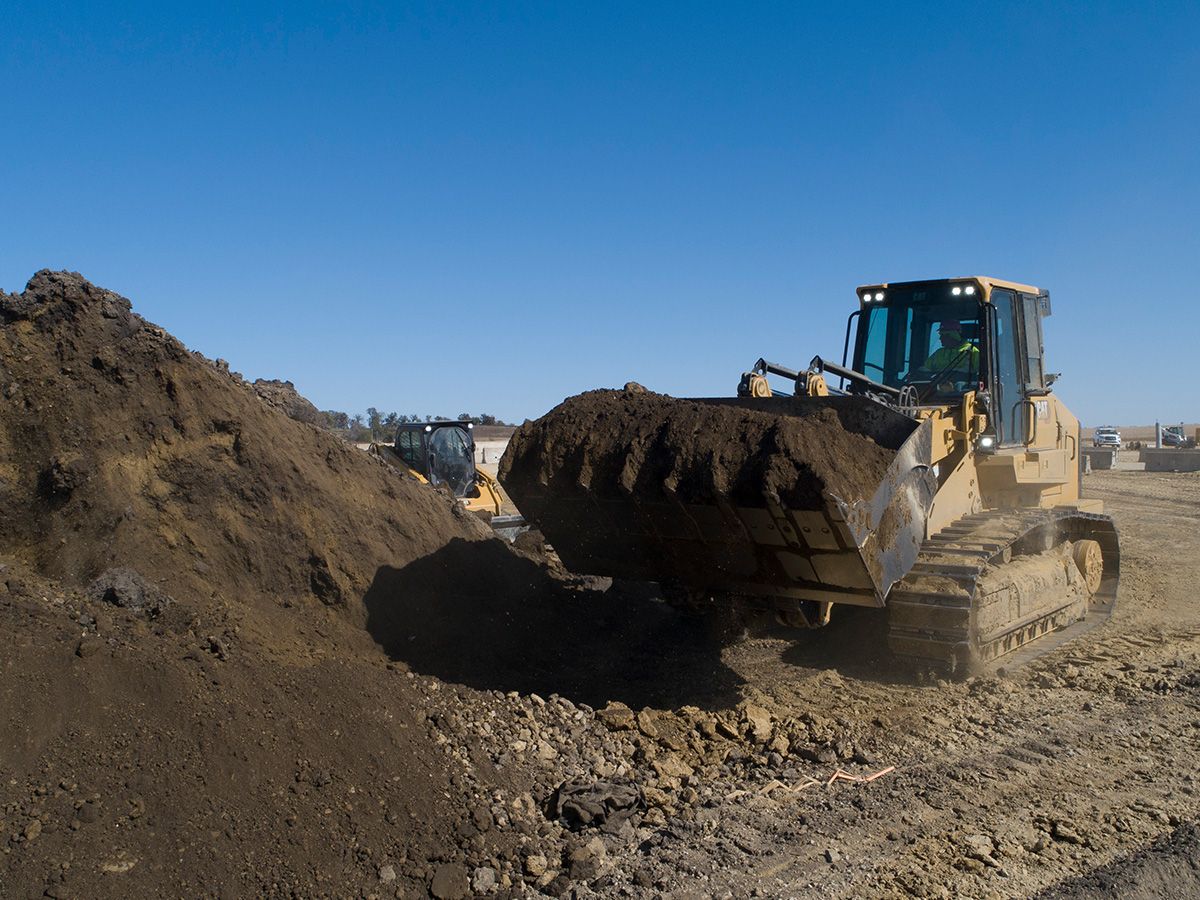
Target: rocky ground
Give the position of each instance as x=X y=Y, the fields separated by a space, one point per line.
x=1072 y=777
x=421 y=710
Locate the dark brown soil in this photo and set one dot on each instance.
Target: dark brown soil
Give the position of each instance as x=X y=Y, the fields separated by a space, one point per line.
x=226 y=724
x=284 y=397
x=193 y=755
x=120 y=447
x=635 y=441
x=1169 y=867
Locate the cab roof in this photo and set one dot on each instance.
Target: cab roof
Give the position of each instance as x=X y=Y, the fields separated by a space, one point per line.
x=986 y=282
x=436 y=423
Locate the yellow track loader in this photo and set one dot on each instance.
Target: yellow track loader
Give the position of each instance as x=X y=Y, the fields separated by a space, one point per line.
x=933 y=473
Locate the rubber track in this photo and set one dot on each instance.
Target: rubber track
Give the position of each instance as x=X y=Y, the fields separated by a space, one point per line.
x=933 y=630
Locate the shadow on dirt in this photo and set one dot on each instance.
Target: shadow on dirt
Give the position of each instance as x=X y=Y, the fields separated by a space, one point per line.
x=854 y=643
x=1168 y=867
x=479 y=614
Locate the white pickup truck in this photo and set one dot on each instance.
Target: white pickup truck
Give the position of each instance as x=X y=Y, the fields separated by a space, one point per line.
x=1106 y=437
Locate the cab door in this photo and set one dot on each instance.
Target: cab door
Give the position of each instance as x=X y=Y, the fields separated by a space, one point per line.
x=1023 y=408
x=1008 y=378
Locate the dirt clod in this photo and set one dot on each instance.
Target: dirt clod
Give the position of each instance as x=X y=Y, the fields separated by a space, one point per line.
x=127 y=589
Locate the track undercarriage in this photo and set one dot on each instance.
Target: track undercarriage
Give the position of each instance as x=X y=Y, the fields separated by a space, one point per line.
x=1000 y=588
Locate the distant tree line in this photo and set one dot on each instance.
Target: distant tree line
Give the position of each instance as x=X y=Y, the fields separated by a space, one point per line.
x=380 y=426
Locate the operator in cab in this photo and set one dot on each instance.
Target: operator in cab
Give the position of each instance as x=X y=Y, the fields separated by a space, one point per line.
x=957 y=358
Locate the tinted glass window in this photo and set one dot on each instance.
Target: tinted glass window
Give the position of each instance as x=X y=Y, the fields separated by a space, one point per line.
x=1033 y=341
x=408 y=445
x=927 y=338
x=1008 y=388
x=452 y=460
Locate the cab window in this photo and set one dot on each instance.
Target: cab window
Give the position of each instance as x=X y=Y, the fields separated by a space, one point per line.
x=904 y=340
x=408 y=446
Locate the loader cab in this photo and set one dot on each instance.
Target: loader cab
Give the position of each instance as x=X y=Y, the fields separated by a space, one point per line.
x=905 y=340
x=442 y=452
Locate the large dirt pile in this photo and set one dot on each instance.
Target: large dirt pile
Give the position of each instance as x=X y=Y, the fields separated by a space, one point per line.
x=119 y=447
x=188 y=702
x=638 y=442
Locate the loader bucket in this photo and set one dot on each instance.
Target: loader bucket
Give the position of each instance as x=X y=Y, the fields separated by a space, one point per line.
x=791 y=498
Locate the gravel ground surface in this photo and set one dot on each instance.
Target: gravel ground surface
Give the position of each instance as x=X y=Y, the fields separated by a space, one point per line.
x=1073 y=776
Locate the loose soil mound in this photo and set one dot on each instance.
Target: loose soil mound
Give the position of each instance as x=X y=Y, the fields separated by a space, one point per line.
x=188 y=703
x=185 y=756
x=119 y=447
x=635 y=441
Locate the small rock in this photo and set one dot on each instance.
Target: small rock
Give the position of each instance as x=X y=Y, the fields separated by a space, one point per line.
x=824 y=755
x=586 y=861
x=980 y=847
x=671 y=766
x=483 y=881
x=728 y=730
x=536 y=864
x=33 y=829
x=127 y=589
x=1061 y=831
x=759 y=721
x=616 y=716
x=88 y=646
x=387 y=874
x=645 y=724
x=482 y=817
x=832 y=856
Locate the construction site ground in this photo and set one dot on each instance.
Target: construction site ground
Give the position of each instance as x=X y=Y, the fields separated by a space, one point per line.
x=243 y=659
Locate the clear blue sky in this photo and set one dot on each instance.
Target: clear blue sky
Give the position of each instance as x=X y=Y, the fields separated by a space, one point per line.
x=449 y=207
